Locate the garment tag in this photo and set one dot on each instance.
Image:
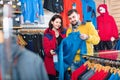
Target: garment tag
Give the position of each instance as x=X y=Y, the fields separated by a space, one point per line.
x=74 y=6
x=55 y=58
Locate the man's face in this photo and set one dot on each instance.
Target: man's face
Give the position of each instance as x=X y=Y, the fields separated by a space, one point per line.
x=74 y=18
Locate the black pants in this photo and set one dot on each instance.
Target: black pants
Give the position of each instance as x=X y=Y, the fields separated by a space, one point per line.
x=105 y=45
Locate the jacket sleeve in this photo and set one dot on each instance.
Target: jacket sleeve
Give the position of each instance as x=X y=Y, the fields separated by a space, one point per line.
x=93 y=34
x=114 y=28
x=46 y=46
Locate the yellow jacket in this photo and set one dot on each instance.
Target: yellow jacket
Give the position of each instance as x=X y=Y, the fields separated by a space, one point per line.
x=93 y=39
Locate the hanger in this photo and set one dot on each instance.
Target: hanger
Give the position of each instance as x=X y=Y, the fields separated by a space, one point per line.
x=21 y=41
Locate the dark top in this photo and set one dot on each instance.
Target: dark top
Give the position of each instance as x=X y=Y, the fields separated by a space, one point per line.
x=59 y=39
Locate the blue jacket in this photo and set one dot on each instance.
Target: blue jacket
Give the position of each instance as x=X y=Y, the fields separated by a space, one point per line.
x=26 y=65
x=117 y=45
x=89 y=11
x=67 y=51
x=30 y=9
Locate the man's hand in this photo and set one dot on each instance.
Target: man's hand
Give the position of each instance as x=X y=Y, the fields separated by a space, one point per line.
x=84 y=36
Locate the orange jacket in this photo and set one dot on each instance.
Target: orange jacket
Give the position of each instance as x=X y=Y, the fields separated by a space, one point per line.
x=67 y=6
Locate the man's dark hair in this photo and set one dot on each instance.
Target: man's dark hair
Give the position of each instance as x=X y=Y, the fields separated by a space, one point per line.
x=71 y=11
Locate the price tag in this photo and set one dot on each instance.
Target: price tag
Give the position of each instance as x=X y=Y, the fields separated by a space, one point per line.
x=74 y=6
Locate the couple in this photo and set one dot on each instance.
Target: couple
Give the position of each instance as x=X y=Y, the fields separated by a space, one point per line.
x=55 y=33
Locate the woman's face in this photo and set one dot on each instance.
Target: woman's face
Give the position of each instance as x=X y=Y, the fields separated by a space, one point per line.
x=56 y=23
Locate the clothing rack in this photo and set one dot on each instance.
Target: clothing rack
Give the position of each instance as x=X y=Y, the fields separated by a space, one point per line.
x=103 y=60
x=14 y=28
x=31 y=28
x=28 y=28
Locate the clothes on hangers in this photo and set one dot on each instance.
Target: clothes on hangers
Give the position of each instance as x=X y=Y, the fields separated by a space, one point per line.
x=55 y=6
x=21 y=41
x=117 y=45
x=89 y=11
x=98 y=72
x=33 y=42
x=25 y=64
x=32 y=11
x=69 y=4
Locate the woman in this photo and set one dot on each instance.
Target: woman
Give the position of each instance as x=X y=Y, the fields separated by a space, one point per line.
x=51 y=40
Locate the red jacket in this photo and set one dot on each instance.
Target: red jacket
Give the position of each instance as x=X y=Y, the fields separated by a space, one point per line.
x=107 y=27
x=50 y=42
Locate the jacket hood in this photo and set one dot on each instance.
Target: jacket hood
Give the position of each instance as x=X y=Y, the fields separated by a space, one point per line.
x=105 y=7
x=49 y=31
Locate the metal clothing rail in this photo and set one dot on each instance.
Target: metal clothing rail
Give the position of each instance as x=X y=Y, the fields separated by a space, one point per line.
x=33 y=26
x=110 y=51
x=103 y=60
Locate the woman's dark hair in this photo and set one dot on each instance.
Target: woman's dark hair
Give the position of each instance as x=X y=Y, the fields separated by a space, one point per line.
x=71 y=11
x=53 y=19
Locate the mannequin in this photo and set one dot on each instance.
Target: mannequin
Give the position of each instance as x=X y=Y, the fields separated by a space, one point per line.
x=102 y=10
x=107 y=28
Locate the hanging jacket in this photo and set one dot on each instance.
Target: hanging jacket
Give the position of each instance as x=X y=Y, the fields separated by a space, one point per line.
x=26 y=65
x=107 y=27
x=117 y=45
x=55 y=6
x=68 y=6
x=89 y=11
x=48 y=4
x=32 y=10
x=50 y=43
x=67 y=50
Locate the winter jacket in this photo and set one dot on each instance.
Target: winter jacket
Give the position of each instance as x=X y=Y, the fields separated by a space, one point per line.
x=117 y=45
x=31 y=9
x=55 y=6
x=68 y=6
x=50 y=43
x=89 y=11
x=107 y=27
x=26 y=65
x=90 y=30
x=67 y=51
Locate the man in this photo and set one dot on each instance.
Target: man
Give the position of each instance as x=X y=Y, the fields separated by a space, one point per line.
x=88 y=33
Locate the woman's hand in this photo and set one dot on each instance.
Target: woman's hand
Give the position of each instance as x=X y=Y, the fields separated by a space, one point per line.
x=52 y=52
